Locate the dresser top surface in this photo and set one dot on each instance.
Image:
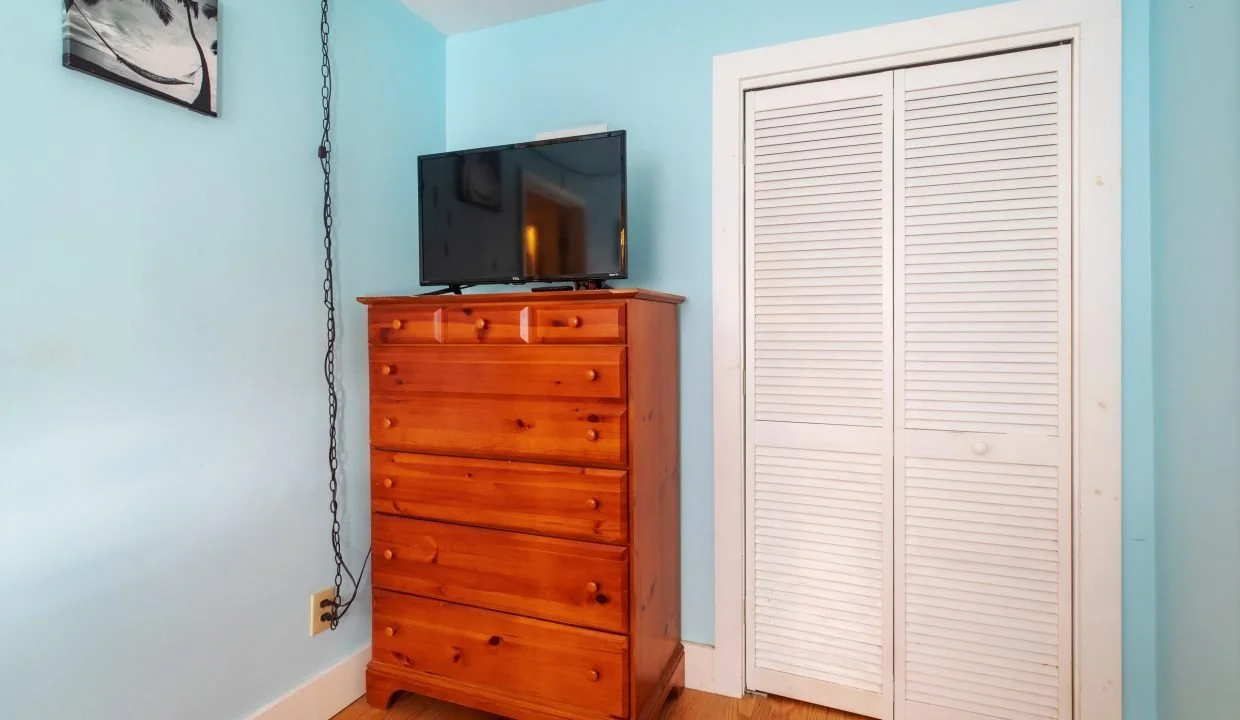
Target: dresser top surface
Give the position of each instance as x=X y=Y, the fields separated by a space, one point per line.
x=526 y=297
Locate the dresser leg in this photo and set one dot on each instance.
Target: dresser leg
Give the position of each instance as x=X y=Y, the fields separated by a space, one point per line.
x=677 y=685
x=381 y=690
x=673 y=686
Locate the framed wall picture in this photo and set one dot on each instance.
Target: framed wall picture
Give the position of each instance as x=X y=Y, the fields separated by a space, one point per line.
x=168 y=49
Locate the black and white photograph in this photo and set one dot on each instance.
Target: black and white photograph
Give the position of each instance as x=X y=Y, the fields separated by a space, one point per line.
x=165 y=48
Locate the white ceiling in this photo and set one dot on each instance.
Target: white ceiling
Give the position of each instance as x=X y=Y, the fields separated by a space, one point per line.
x=452 y=17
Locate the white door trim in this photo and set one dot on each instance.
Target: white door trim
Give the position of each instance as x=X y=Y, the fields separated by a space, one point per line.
x=1094 y=28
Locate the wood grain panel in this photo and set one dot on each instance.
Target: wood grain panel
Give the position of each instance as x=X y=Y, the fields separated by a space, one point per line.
x=582 y=503
x=654 y=457
x=504 y=491
x=422 y=324
x=583 y=372
x=579 y=432
x=384 y=682
x=562 y=580
x=512 y=656
x=578 y=323
x=486 y=323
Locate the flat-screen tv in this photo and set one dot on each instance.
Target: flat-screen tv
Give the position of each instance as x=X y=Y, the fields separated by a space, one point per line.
x=534 y=212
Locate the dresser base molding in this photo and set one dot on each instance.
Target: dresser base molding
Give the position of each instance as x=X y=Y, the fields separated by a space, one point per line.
x=670 y=686
x=384 y=683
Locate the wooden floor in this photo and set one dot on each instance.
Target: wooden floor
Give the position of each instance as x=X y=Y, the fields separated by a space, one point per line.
x=692 y=705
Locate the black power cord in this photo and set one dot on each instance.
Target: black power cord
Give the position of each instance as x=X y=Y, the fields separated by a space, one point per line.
x=329 y=358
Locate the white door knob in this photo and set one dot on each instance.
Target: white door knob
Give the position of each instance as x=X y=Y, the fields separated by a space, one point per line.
x=980 y=448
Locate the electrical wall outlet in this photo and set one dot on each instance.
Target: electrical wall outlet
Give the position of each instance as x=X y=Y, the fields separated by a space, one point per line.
x=322 y=603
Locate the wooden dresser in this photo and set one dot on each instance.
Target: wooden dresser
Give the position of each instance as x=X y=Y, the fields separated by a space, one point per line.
x=525 y=489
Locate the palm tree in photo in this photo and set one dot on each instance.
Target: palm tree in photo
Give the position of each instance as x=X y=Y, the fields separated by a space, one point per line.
x=213 y=11
x=203 y=101
x=163 y=11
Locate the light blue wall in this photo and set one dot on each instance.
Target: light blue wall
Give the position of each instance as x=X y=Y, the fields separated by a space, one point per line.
x=1196 y=192
x=163 y=502
x=645 y=66
x=1140 y=596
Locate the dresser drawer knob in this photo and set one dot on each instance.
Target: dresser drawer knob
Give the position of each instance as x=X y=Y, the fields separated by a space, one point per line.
x=592 y=435
x=387 y=422
x=481 y=324
x=388 y=554
x=592 y=503
x=387 y=483
x=594 y=675
x=591 y=587
x=389 y=631
x=387 y=369
x=592 y=375
x=398 y=324
x=574 y=322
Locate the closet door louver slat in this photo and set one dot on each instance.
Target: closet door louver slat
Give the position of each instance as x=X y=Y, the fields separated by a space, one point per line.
x=982 y=407
x=819 y=202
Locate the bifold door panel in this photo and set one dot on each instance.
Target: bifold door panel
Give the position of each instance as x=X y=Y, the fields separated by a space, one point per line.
x=909 y=363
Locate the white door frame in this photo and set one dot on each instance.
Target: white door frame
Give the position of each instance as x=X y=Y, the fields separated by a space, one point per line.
x=1094 y=28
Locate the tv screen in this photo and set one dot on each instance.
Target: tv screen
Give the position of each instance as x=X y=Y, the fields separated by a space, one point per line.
x=543 y=211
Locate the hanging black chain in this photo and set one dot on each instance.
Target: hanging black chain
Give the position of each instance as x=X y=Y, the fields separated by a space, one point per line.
x=329 y=357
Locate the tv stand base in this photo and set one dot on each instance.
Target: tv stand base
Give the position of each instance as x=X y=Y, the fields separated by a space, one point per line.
x=450 y=290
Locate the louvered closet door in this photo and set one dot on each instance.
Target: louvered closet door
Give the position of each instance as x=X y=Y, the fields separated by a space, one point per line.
x=983 y=367
x=819 y=269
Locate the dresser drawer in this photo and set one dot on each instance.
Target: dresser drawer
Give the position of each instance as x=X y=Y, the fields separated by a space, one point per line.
x=562 y=580
x=542 y=661
x=584 y=372
x=485 y=324
x=579 y=432
x=582 y=503
x=405 y=326
x=578 y=323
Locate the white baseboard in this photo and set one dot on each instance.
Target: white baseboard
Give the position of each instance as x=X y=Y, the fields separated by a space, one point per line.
x=323 y=695
x=699 y=667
